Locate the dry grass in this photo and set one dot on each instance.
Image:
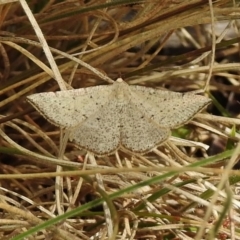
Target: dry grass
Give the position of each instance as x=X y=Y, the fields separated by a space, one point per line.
x=182 y=189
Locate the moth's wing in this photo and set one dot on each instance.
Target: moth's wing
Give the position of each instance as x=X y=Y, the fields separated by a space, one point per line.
x=67 y=109
x=139 y=133
x=100 y=133
x=168 y=109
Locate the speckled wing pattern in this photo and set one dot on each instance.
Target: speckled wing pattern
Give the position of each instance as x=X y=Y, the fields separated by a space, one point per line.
x=67 y=109
x=168 y=109
x=100 y=133
x=139 y=133
x=103 y=119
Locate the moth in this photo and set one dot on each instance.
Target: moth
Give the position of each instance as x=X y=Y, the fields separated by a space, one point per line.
x=103 y=119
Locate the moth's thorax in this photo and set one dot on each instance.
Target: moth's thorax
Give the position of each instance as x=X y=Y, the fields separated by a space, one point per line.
x=122 y=92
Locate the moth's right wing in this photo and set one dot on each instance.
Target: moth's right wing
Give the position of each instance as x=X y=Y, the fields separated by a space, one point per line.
x=100 y=133
x=67 y=109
